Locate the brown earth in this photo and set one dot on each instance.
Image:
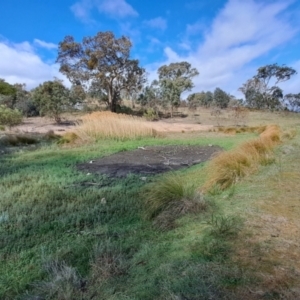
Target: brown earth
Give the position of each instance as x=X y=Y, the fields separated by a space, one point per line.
x=147 y=161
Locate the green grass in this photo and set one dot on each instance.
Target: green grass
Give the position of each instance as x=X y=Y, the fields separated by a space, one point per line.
x=107 y=248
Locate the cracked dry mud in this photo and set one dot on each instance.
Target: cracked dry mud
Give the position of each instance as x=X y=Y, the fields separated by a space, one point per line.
x=149 y=160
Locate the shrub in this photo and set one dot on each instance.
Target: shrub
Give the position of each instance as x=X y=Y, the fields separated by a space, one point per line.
x=68 y=138
x=150 y=114
x=9 y=117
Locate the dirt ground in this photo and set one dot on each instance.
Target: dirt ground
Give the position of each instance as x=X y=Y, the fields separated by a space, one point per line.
x=147 y=161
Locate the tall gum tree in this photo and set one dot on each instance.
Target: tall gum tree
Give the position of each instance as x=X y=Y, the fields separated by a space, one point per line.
x=174 y=79
x=103 y=61
x=262 y=90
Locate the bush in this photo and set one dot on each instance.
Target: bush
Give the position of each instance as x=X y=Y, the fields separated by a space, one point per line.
x=151 y=114
x=68 y=138
x=9 y=117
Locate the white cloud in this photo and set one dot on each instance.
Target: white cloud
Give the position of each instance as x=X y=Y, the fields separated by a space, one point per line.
x=193 y=29
x=82 y=9
x=242 y=32
x=20 y=64
x=117 y=8
x=113 y=8
x=44 y=44
x=157 y=23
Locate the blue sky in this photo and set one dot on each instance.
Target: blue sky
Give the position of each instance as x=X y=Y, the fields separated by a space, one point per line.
x=225 y=40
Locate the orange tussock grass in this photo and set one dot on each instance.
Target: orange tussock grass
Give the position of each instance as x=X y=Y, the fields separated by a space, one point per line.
x=234 y=130
x=108 y=125
x=271 y=133
x=229 y=167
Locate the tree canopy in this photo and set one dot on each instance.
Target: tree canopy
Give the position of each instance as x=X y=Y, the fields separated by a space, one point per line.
x=174 y=79
x=7 y=89
x=262 y=90
x=221 y=98
x=102 y=61
x=52 y=98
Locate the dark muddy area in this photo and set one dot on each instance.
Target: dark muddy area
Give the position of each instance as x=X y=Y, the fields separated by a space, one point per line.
x=147 y=161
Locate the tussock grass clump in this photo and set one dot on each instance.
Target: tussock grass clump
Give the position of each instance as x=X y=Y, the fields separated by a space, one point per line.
x=227 y=168
x=108 y=262
x=271 y=133
x=170 y=198
x=238 y=129
x=68 y=138
x=108 y=125
x=63 y=282
x=259 y=150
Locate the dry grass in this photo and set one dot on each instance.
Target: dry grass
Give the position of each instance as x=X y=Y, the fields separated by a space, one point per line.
x=271 y=133
x=107 y=125
x=227 y=168
x=270 y=246
x=69 y=138
x=234 y=130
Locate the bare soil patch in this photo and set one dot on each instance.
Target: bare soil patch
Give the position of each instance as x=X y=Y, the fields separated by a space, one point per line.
x=147 y=161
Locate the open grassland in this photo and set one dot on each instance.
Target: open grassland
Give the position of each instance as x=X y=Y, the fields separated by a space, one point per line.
x=162 y=239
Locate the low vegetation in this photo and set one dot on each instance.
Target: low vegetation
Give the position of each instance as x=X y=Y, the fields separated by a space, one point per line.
x=9 y=117
x=229 y=167
x=153 y=238
x=170 y=198
x=107 y=125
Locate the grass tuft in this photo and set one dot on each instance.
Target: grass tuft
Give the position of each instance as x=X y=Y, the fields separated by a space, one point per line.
x=63 y=283
x=227 y=168
x=108 y=125
x=170 y=198
x=68 y=138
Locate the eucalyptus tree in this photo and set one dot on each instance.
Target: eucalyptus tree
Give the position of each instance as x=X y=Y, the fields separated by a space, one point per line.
x=174 y=79
x=102 y=61
x=292 y=101
x=262 y=91
x=221 y=98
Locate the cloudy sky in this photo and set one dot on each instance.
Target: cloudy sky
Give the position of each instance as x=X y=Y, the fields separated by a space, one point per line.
x=226 y=40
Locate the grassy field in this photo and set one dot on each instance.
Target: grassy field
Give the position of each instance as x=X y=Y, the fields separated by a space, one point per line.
x=60 y=239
